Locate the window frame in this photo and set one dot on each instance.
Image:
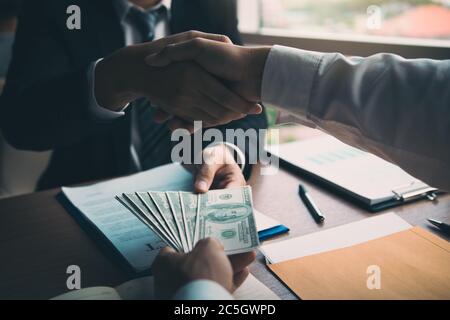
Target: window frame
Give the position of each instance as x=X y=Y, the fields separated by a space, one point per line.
x=356 y=45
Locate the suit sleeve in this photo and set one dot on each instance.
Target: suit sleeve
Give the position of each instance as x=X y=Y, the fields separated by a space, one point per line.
x=395 y=108
x=44 y=103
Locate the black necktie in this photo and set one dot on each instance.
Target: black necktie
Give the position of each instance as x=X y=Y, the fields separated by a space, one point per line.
x=150 y=140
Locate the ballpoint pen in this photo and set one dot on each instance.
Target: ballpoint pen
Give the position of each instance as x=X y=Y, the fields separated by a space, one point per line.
x=444 y=227
x=312 y=208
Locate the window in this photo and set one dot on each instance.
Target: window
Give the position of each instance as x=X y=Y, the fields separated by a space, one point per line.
x=353 y=26
x=411 y=28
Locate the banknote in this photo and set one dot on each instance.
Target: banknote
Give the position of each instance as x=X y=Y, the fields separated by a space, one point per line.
x=181 y=219
x=227 y=215
x=145 y=210
x=163 y=206
x=125 y=202
x=189 y=202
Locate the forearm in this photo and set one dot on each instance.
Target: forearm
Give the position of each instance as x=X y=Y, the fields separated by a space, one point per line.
x=395 y=108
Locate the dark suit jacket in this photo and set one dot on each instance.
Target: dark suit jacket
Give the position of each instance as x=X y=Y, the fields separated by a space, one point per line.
x=44 y=105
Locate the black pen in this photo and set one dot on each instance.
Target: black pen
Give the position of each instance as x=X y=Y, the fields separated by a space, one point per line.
x=442 y=226
x=312 y=208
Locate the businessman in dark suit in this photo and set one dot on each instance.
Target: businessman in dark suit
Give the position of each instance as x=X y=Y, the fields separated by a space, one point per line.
x=59 y=95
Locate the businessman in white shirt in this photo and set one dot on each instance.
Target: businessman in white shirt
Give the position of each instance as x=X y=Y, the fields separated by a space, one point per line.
x=395 y=108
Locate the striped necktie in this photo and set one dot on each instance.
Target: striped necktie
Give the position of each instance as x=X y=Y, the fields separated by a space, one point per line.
x=150 y=140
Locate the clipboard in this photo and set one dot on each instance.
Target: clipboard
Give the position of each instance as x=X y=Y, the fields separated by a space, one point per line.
x=294 y=156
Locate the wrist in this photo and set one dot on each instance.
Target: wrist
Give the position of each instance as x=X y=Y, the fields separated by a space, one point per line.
x=257 y=62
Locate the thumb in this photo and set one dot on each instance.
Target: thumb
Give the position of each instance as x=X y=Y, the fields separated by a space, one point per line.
x=205 y=177
x=166 y=259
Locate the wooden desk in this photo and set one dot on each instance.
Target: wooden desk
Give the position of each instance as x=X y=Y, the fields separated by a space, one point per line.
x=39 y=239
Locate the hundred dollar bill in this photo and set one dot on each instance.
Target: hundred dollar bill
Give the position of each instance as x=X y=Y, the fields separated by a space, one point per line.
x=145 y=219
x=180 y=219
x=147 y=211
x=189 y=203
x=161 y=202
x=227 y=215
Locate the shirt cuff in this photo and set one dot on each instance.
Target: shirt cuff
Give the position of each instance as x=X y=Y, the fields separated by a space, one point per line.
x=97 y=111
x=240 y=157
x=202 y=290
x=288 y=80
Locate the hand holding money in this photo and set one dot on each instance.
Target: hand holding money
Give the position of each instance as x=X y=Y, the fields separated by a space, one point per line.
x=219 y=170
x=172 y=270
x=181 y=219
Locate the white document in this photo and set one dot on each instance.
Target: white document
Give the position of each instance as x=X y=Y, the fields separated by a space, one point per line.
x=264 y=222
x=336 y=238
x=362 y=174
x=138 y=244
x=135 y=241
x=142 y=289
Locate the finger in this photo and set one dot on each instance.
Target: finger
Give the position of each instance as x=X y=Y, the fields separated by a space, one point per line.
x=193 y=34
x=218 y=92
x=241 y=261
x=239 y=278
x=181 y=51
x=220 y=112
x=166 y=251
x=213 y=56
x=205 y=177
x=210 y=243
x=153 y=47
x=166 y=259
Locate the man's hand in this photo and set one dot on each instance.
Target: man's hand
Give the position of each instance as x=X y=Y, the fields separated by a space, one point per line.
x=207 y=261
x=184 y=89
x=242 y=68
x=219 y=170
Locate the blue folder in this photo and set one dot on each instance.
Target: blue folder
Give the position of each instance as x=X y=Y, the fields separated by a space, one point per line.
x=272 y=232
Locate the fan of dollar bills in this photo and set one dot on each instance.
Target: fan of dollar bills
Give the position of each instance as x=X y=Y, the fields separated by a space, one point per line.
x=181 y=219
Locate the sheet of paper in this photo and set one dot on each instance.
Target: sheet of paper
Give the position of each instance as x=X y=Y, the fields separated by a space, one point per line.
x=138 y=244
x=264 y=222
x=335 y=238
x=359 y=172
x=94 y=293
x=142 y=289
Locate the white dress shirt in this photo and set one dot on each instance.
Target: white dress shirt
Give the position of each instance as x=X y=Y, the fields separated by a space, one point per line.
x=202 y=290
x=395 y=108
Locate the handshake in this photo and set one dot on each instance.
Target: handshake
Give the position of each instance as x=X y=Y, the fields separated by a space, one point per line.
x=192 y=76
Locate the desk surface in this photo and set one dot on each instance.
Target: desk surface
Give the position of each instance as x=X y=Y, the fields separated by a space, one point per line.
x=39 y=239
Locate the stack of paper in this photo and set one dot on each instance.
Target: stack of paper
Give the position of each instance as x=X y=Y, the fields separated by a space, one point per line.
x=181 y=219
